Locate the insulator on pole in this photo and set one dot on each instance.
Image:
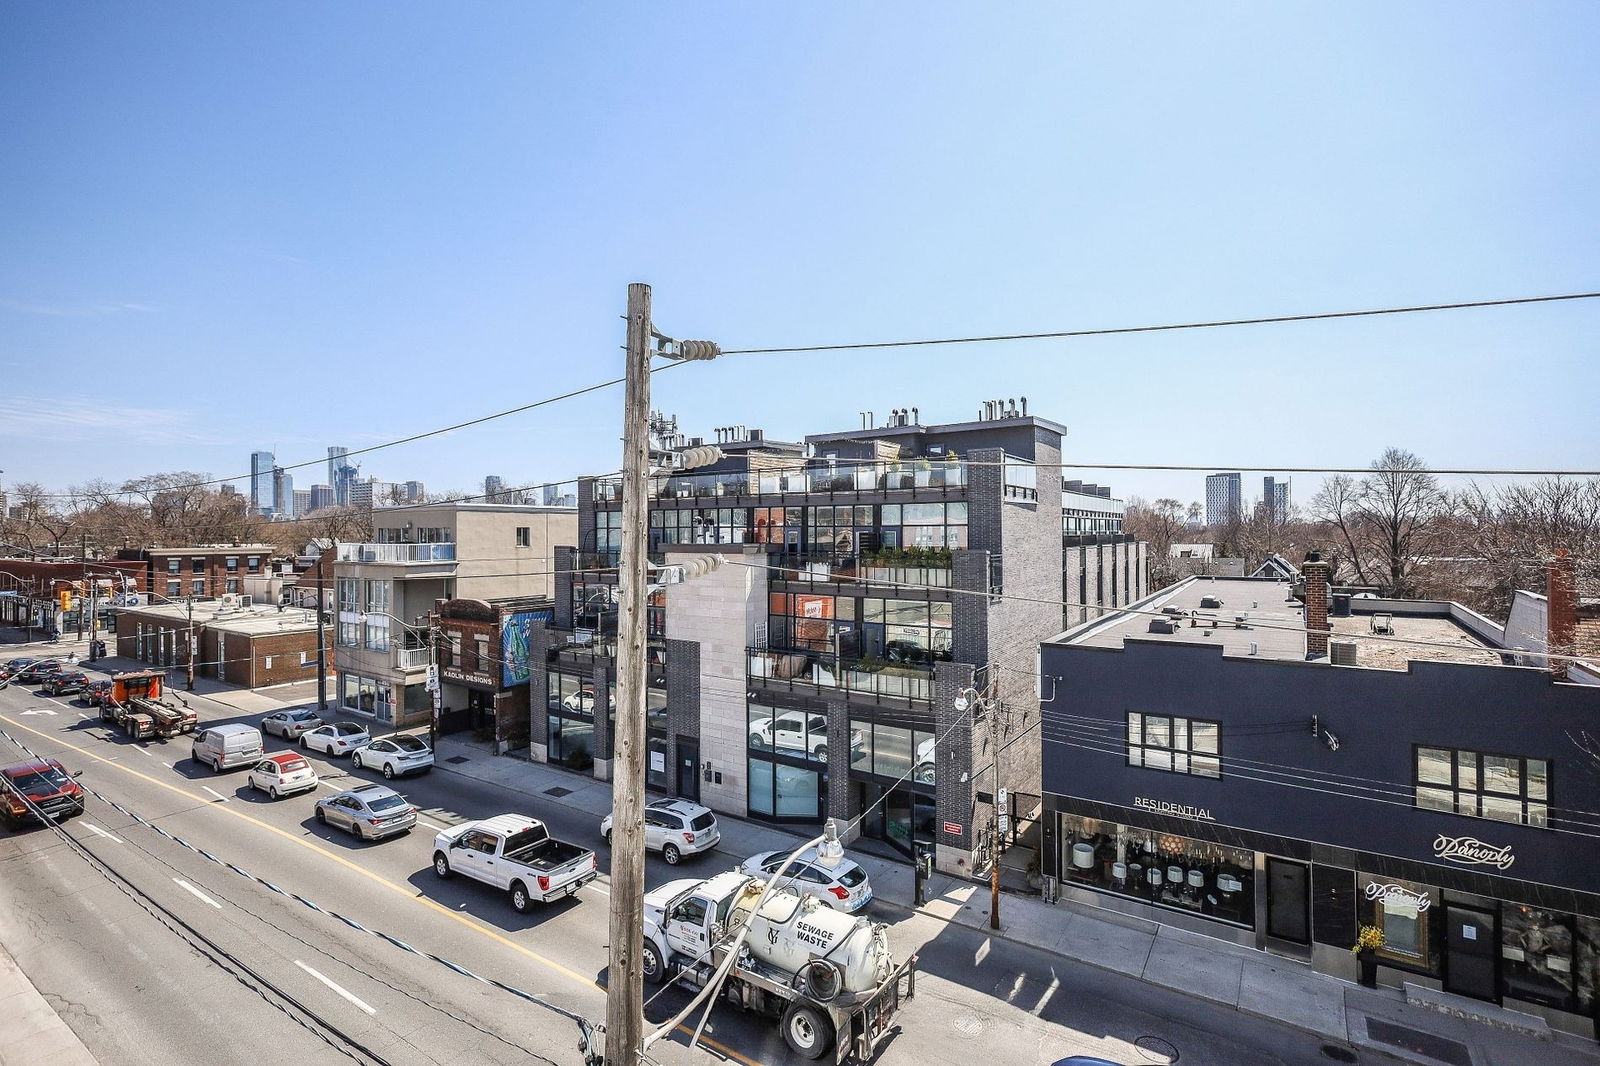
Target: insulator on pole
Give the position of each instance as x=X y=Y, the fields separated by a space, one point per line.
x=702 y=455
x=697 y=349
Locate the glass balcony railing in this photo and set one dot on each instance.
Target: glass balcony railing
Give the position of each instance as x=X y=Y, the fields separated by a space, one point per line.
x=931 y=569
x=397 y=553
x=929 y=474
x=815 y=672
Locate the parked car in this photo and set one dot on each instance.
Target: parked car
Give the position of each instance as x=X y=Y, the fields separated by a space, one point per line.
x=675 y=828
x=337 y=738
x=40 y=789
x=370 y=812
x=282 y=774
x=844 y=888
x=66 y=681
x=96 y=692
x=515 y=853
x=224 y=747
x=290 y=724
x=395 y=756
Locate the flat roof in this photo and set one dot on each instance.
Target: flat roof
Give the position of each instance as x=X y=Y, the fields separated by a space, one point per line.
x=915 y=428
x=254 y=620
x=1262 y=612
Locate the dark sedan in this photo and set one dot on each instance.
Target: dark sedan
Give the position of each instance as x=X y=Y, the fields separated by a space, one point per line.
x=37 y=672
x=64 y=682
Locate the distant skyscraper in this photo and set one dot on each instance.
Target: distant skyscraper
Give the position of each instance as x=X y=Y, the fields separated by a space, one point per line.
x=414 y=492
x=340 y=474
x=493 y=486
x=1275 y=497
x=1224 y=498
x=321 y=496
x=261 y=482
x=282 y=492
x=302 y=501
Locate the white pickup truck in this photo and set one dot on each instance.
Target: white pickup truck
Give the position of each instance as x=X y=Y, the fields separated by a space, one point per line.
x=517 y=854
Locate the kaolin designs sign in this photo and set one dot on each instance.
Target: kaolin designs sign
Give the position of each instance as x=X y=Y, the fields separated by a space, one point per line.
x=1470 y=851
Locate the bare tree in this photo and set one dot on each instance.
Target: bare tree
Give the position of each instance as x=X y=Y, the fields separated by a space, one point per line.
x=1159 y=525
x=41 y=521
x=1387 y=523
x=1508 y=533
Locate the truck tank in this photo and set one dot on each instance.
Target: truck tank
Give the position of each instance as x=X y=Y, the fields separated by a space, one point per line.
x=791 y=931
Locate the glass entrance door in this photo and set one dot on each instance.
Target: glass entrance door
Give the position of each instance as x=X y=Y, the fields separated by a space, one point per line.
x=1471 y=953
x=689 y=769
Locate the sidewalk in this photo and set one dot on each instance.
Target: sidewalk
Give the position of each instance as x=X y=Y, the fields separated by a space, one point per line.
x=35 y=1035
x=1374 y=1020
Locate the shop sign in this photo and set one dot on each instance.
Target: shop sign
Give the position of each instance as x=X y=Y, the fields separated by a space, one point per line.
x=465 y=677
x=953 y=828
x=1470 y=851
x=1175 y=810
x=1394 y=893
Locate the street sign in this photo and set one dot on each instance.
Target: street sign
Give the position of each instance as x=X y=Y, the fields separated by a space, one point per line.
x=1005 y=825
x=1002 y=795
x=953 y=828
x=432 y=684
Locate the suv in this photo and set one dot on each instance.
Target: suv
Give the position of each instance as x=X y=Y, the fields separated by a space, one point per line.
x=14 y=666
x=95 y=693
x=38 y=670
x=675 y=828
x=42 y=787
x=66 y=681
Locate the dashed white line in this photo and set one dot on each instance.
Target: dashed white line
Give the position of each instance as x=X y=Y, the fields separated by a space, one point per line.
x=145 y=752
x=187 y=887
x=215 y=793
x=430 y=825
x=91 y=827
x=336 y=988
x=84 y=716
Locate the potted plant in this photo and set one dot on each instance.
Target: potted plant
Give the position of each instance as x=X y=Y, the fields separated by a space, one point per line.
x=1369 y=938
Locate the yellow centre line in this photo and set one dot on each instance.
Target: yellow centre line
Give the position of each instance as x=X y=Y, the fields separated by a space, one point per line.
x=404 y=891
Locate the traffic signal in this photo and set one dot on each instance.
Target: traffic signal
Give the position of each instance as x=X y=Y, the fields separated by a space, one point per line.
x=64 y=597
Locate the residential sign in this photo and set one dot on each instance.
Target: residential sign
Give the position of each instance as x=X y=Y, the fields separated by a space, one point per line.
x=1174 y=810
x=1470 y=851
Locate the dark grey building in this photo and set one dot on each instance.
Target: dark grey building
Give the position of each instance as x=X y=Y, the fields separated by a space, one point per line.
x=1201 y=771
x=872 y=575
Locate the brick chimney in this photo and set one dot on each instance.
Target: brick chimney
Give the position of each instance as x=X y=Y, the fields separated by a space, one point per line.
x=1316 y=572
x=1561 y=612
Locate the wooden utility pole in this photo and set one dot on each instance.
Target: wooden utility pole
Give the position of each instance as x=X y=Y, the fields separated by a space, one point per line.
x=625 y=976
x=994 y=841
x=322 y=641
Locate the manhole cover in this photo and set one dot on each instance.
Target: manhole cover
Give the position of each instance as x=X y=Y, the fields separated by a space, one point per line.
x=1415 y=1040
x=968 y=1025
x=1338 y=1054
x=558 y=792
x=1155 y=1049
x=458 y=759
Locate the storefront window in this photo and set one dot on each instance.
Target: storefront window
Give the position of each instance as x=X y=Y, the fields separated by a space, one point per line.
x=1169 y=871
x=1537 y=949
x=1402 y=909
x=655 y=767
x=571 y=741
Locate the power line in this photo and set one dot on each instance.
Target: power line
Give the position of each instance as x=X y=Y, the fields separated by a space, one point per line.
x=1115 y=330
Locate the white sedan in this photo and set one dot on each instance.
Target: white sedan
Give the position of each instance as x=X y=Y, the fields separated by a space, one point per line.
x=844 y=887
x=396 y=755
x=339 y=738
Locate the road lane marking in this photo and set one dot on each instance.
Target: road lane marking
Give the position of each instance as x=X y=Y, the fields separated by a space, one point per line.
x=91 y=827
x=42 y=710
x=187 y=887
x=596 y=888
x=405 y=890
x=215 y=793
x=430 y=825
x=335 y=987
x=85 y=717
x=145 y=752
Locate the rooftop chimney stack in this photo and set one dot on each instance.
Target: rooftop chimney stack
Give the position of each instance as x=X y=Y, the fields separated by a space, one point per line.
x=1316 y=572
x=1561 y=613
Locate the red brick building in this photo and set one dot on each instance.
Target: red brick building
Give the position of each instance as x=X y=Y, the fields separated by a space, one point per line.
x=204 y=570
x=255 y=646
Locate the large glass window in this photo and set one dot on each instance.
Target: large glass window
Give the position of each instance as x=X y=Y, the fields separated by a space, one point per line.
x=571 y=742
x=349 y=634
x=1506 y=788
x=378 y=596
x=796 y=733
x=349 y=594
x=786 y=793
x=892 y=751
x=1177 y=745
x=1402 y=909
x=786 y=746
x=1159 y=868
x=1538 y=950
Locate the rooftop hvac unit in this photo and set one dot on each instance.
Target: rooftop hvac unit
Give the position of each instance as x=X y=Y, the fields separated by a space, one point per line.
x=246 y=601
x=229 y=601
x=1343 y=653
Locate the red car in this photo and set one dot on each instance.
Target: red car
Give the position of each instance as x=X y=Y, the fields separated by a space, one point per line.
x=37 y=790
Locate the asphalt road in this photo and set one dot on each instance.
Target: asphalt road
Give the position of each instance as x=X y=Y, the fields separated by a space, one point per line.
x=162 y=957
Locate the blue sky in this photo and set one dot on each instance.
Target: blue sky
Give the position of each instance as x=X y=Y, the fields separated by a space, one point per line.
x=239 y=226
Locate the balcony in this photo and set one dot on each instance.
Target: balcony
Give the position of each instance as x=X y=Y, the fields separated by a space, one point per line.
x=410 y=659
x=929 y=567
x=928 y=475
x=814 y=672
x=397 y=553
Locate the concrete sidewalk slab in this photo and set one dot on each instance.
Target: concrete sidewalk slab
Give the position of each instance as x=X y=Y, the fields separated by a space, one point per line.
x=1205 y=974
x=1294 y=995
